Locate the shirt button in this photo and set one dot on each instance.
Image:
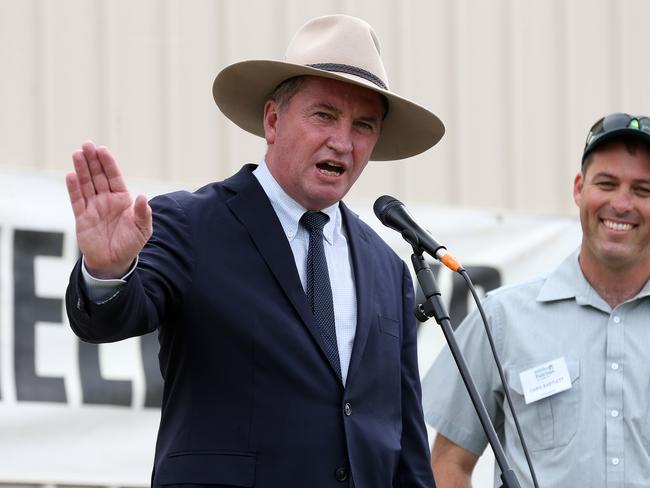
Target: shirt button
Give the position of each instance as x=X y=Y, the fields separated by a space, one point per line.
x=617 y=319
x=347 y=409
x=289 y=234
x=615 y=461
x=614 y=413
x=614 y=366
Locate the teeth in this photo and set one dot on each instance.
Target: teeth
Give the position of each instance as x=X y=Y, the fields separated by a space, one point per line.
x=617 y=225
x=330 y=169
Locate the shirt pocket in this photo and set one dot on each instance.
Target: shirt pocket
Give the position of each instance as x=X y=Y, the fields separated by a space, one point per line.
x=552 y=421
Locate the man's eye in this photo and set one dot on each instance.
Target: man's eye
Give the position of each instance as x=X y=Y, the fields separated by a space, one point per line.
x=605 y=185
x=644 y=191
x=365 y=126
x=323 y=115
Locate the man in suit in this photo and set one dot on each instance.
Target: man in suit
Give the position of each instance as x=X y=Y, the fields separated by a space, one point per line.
x=287 y=342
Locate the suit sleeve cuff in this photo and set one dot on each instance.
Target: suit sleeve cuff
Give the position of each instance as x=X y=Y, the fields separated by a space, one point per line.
x=101 y=290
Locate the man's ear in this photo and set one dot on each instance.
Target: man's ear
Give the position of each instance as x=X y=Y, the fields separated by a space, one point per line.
x=270 y=121
x=578 y=183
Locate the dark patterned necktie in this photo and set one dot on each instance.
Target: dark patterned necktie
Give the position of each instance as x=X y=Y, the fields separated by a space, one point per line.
x=319 y=290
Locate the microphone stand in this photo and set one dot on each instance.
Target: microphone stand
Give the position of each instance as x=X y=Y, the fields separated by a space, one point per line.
x=433 y=307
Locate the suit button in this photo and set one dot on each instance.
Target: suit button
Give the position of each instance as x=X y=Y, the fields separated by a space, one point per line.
x=341 y=474
x=347 y=409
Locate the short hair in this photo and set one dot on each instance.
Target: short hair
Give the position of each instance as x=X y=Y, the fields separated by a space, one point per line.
x=632 y=145
x=286 y=90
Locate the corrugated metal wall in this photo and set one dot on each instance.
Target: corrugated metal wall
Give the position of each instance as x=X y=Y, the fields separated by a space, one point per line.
x=517 y=83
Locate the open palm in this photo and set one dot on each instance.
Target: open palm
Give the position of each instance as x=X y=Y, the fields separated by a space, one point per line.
x=111 y=227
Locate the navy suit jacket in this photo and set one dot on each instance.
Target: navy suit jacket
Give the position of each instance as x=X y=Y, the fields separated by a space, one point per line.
x=250 y=398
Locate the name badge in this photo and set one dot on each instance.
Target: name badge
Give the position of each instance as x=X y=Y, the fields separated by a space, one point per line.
x=545 y=380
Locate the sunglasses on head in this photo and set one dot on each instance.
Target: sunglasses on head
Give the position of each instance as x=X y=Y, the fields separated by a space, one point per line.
x=617 y=121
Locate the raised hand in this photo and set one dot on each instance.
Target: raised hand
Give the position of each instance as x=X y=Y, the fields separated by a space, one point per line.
x=112 y=228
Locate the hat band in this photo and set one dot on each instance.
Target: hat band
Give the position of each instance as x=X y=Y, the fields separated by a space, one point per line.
x=350 y=70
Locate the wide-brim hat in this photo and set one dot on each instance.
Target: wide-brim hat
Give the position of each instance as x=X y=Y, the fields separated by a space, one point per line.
x=342 y=48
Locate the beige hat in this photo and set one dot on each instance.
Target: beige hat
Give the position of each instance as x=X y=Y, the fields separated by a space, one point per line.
x=340 y=47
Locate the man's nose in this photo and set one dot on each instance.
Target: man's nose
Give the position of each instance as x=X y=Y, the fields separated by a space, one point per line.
x=622 y=200
x=341 y=140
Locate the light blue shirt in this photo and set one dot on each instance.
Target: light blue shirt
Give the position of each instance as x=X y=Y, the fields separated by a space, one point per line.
x=595 y=434
x=337 y=253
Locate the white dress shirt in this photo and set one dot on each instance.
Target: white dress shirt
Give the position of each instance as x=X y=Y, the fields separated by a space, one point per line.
x=337 y=253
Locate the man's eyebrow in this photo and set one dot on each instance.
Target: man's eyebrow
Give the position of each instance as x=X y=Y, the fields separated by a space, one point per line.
x=326 y=106
x=605 y=174
x=333 y=108
x=370 y=119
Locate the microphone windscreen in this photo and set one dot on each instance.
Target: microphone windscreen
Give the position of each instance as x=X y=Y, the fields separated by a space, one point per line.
x=382 y=204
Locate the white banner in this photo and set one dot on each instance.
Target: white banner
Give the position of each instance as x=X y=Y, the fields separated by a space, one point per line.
x=77 y=413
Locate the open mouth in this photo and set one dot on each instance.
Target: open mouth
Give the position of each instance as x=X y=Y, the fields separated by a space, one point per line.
x=617 y=226
x=330 y=169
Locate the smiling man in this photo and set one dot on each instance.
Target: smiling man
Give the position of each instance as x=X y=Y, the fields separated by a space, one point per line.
x=586 y=325
x=287 y=340
x=613 y=194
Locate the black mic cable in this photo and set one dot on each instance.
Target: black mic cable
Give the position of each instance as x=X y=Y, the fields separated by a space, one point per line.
x=392 y=213
x=470 y=285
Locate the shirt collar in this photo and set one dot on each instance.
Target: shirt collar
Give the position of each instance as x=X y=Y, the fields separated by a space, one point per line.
x=567 y=281
x=289 y=210
x=645 y=291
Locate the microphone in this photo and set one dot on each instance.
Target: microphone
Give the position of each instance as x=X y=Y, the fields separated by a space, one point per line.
x=392 y=213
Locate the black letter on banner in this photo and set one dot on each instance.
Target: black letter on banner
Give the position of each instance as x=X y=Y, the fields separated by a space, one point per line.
x=484 y=276
x=96 y=390
x=152 y=376
x=29 y=309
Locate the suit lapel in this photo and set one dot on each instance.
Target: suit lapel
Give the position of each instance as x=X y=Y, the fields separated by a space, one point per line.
x=363 y=260
x=252 y=208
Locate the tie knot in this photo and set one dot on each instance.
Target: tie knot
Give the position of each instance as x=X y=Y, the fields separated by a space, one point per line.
x=314 y=220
